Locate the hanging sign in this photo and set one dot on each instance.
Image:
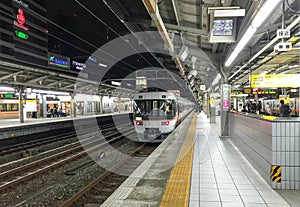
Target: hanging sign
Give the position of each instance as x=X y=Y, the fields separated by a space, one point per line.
x=275 y=81
x=21 y=20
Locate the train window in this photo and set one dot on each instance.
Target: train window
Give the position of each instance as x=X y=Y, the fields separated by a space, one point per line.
x=155 y=109
x=9 y=107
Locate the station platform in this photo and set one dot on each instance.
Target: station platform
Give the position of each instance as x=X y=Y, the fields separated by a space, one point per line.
x=206 y=171
x=6 y=123
x=10 y=129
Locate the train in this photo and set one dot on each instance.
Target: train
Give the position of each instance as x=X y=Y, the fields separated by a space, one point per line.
x=9 y=108
x=156 y=114
x=275 y=106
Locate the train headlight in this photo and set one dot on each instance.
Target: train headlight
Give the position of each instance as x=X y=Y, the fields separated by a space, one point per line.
x=165 y=123
x=139 y=123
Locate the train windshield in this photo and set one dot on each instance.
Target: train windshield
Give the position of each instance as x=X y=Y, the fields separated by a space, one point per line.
x=155 y=109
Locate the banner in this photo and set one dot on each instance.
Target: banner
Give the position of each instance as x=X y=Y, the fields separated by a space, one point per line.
x=275 y=81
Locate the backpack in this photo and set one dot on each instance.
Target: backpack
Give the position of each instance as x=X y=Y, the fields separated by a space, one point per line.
x=286 y=109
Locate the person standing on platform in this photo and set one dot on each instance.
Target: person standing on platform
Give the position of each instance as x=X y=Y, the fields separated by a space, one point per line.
x=267 y=109
x=249 y=106
x=285 y=110
x=253 y=107
x=244 y=109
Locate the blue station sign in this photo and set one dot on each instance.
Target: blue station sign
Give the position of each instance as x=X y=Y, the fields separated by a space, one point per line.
x=58 y=60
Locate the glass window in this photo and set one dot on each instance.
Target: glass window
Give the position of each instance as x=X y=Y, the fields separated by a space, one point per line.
x=155 y=109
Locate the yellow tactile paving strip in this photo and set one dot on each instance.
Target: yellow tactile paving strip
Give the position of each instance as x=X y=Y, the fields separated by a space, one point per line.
x=178 y=187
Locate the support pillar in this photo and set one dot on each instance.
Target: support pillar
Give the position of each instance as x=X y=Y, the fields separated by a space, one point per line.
x=44 y=106
x=225 y=104
x=21 y=104
x=101 y=104
x=73 y=105
x=212 y=107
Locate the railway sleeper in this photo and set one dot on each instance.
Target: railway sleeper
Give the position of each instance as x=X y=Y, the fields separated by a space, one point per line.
x=100 y=198
x=111 y=183
x=105 y=190
x=91 y=205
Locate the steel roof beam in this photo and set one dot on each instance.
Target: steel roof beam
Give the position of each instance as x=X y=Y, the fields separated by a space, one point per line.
x=187 y=29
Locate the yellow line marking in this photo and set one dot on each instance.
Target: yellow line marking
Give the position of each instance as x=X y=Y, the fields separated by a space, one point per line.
x=177 y=190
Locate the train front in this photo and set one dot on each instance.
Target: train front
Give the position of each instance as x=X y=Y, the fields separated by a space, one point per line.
x=155 y=115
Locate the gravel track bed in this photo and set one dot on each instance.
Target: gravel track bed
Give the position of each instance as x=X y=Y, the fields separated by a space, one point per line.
x=44 y=151
x=52 y=188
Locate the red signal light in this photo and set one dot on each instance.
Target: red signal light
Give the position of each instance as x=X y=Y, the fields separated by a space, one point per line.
x=165 y=123
x=139 y=123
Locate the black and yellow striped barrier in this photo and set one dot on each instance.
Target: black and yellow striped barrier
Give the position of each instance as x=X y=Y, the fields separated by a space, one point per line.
x=276 y=174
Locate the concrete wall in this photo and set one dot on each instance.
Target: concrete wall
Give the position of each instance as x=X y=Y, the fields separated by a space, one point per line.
x=253 y=137
x=269 y=143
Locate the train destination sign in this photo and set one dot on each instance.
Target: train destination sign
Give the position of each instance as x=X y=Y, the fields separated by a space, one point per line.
x=275 y=81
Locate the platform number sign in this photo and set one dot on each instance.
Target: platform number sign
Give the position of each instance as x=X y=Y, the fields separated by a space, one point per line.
x=283 y=33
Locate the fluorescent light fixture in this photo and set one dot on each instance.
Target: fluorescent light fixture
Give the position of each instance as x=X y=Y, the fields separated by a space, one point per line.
x=259 y=18
x=50 y=92
x=264 y=12
x=216 y=88
x=115 y=83
x=216 y=80
x=293 y=66
x=183 y=53
x=102 y=65
x=241 y=44
x=5 y=88
x=264 y=73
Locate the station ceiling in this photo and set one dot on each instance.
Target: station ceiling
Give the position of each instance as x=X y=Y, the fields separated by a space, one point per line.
x=78 y=29
x=101 y=22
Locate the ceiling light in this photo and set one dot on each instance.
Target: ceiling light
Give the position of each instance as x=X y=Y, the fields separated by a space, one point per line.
x=216 y=80
x=183 y=53
x=259 y=18
x=115 y=83
x=5 y=88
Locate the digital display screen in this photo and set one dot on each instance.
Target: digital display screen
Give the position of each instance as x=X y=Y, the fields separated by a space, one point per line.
x=223 y=27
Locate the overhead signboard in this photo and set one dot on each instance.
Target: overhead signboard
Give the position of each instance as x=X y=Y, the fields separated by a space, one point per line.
x=202 y=87
x=223 y=23
x=141 y=83
x=275 y=81
x=76 y=65
x=247 y=90
x=237 y=91
x=58 y=60
x=264 y=91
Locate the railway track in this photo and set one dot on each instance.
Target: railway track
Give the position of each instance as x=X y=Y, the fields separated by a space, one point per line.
x=27 y=172
x=47 y=140
x=101 y=188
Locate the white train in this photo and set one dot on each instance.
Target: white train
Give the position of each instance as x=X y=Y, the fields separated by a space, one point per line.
x=156 y=114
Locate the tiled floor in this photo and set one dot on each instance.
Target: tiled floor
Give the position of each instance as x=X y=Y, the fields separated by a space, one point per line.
x=222 y=176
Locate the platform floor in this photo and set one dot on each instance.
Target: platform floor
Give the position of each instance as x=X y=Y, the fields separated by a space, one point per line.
x=222 y=176
x=194 y=167
x=5 y=123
